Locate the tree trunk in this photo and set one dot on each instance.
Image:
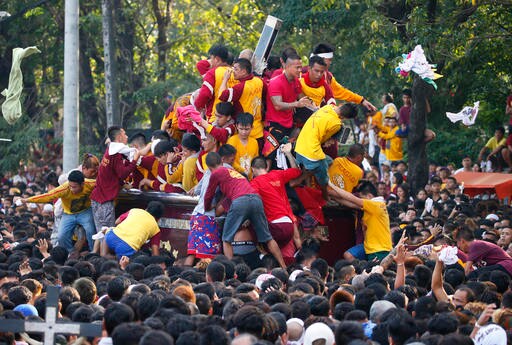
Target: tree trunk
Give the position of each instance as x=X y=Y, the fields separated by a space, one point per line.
x=109 y=49
x=417 y=176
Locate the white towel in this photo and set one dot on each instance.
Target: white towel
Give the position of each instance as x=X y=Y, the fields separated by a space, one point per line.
x=467 y=115
x=125 y=150
x=11 y=108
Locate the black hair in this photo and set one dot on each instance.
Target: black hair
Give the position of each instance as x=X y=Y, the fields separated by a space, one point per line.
x=225 y=108
x=153 y=270
x=315 y=59
x=259 y=162
x=138 y=137
x=227 y=150
x=300 y=310
x=19 y=295
x=366 y=187
x=117 y=287
x=113 y=132
x=213 y=160
x=355 y=150
x=213 y=335
x=500 y=129
x=219 y=51
x=68 y=275
x=216 y=271
x=364 y=299
x=249 y=319
x=321 y=48
x=148 y=304
x=292 y=57
x=395 y=297
x=244 y=64
x=156 y=337
x=191 y=142
x=346 y=331
x=319 y=306
x=203 y=303
x=116 y=314
x=129 y=333
x=76 y=176
x=287 y=52
x=443 y=323
x=245 y=119
x=156 y=209
x=465 y=233
x=160 y=134
x=165 y=146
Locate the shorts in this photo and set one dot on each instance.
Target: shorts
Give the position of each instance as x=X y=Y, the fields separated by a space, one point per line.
x=120 y=247
x=358 y=252
x=248 y=206
x=104 y=214
x=282 y=233
x=378 y=255
x=319 y=168
x=288 y=252
x=203 y=237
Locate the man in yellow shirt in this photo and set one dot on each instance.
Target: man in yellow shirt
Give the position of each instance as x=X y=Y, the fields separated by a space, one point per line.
x=245 y=145
x=494 y=147
x=323 y=125
x=133 y=229
x=76 y=202
x=377 y=237
x=394 y=150
x=345 y=172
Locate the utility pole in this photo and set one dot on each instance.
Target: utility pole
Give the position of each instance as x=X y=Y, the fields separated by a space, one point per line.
x=71 y=86
x=109 y=48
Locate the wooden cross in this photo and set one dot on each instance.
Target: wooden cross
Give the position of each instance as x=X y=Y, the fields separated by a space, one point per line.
x=51 y=326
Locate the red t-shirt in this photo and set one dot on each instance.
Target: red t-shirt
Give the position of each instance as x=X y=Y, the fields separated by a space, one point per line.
x=483 y=253
x=231 y=183
x=271 y=188
x=289 y=91
x=509 y=140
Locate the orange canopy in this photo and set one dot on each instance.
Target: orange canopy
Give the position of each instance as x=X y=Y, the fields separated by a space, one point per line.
x=477 y=183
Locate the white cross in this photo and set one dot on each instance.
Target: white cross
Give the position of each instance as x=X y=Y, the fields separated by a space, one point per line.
x=50 y=326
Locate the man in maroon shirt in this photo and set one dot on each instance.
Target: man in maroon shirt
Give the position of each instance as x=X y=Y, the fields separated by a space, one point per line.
x=486 y=256
x=404 y=115
x=245 y=204
x=117 y=164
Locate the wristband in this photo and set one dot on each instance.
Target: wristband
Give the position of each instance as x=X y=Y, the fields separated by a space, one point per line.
x=399 y=264
x=362 y=101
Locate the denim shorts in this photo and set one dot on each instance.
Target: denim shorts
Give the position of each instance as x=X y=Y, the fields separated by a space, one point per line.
x=319 y=168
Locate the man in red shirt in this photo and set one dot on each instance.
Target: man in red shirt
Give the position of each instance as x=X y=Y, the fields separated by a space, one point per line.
x=118 y=162
x=245 y=204
x=283 y=97
x=271 y=186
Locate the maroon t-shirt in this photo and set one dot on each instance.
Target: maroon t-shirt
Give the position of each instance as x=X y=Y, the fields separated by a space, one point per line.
x=231 y=183
x=404 y=115
x=483 y=253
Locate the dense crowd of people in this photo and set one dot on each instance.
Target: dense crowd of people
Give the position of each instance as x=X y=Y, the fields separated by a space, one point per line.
x=431 y=266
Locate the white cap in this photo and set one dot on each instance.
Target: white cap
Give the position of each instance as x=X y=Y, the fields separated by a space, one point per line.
x=317 y=331
x=262 y=278
x=294 y=275
x=492 y=216
x=48 y=208
x=491 y=335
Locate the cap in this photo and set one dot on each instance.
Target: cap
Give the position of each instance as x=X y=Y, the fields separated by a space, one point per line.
x=262 y=278
x=294 y=275
x=26 y=310
x=318 y=331
x=491 y=335
x=48 y=208
x=378 y=308
x=492 y=216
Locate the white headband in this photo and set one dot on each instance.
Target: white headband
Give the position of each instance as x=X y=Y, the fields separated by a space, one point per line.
x=324 y=55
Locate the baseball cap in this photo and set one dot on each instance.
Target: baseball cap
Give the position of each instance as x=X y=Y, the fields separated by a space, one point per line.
x=26 y=310
x=491 y=335
x=262 y=278
x=492 y=216
x=318 y=331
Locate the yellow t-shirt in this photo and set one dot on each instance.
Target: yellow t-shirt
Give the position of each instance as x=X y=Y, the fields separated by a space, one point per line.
x=320 y=126
x=345 y=174
x=219 y=75
x=71 y=203
x=378 y=234
x=492 y=144
x=251 y=100
x=394 y=150
x=244 y=153
x=317 y=94
x=189 y=173
x=137 y=228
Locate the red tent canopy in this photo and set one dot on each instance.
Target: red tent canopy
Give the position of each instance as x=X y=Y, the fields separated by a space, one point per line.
x=477 y=183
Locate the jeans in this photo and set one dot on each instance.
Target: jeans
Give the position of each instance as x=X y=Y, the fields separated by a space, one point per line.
x=68 y=224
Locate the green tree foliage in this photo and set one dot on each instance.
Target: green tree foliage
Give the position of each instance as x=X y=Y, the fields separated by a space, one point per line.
x=159 y=41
